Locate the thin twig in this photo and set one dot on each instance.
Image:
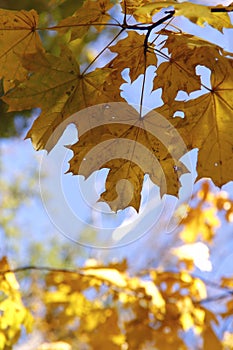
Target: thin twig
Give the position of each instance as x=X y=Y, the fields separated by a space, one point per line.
x=102 y=51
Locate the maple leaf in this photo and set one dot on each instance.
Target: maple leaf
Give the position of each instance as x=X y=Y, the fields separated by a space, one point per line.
x=199 y=14
x=91 y=13
x=196 y=51
x=130 y=6
x=179 y=73
x=208 y=125
x=18 y=37
x=117 y=138
x=123 y=185
x=60 y=90
x=131 y=54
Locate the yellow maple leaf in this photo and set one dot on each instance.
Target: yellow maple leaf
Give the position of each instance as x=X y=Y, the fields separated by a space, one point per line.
x=18 y=36
x=199 y=14
x=130 y=6
x=131 y=54
x=117 y=138
x=60 y=90
x=91 y=13
x=208 y=125
x=179 y=72
x=123 y=185
x=113 y=336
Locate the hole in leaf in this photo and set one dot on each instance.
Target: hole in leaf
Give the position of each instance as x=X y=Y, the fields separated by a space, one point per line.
x=179 y=114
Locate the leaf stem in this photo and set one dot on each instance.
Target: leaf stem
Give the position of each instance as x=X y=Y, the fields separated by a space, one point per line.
x=146 y=46
x=143 y=89
x=80 y=25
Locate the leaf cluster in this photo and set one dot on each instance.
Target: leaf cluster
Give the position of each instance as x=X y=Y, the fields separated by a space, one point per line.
x=141 y=36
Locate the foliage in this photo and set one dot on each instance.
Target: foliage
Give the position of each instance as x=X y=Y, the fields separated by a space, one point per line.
x=58 y=85
x=104 y=306
x=13 y=313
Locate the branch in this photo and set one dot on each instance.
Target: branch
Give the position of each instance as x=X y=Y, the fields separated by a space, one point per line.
x=39 y=268
x=215 y=298
x=221 y=9
x=228 y=292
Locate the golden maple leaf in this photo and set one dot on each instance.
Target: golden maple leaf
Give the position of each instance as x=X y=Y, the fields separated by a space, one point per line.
x=91 y=13
x=208 y=125
x=132 y=54
x=130 y=6
x=18 y=37
x=130 y=146
x=60 y=90
x=179 y=72
x=199 y=14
